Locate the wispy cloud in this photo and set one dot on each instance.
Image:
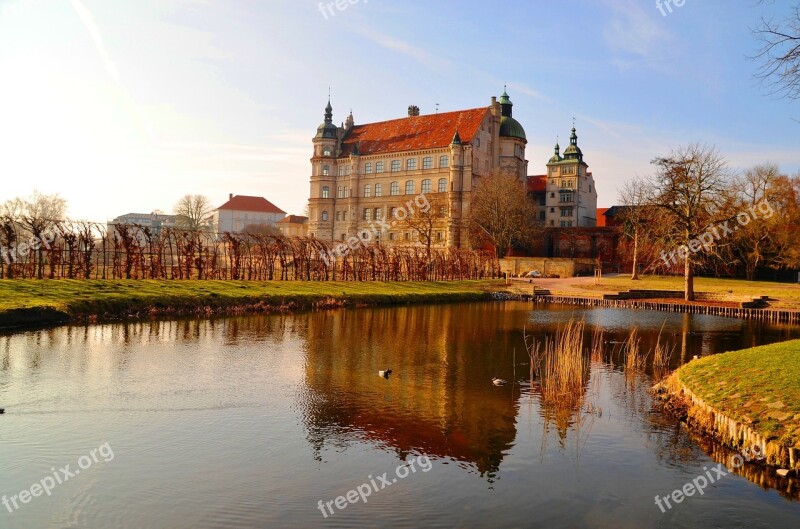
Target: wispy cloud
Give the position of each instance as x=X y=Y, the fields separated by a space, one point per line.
x=404 y=48
x=633 y=30
x=94 y=32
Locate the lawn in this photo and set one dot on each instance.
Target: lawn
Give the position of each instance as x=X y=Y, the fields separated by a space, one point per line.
x=759 y=386
x=119 y=297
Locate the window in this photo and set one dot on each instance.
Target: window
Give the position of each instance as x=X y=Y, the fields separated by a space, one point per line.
x=409 y=187
x=442 y=185
x=391 y=236
x=347 y=169
x=326 y=151
x=552 y=210
x=326 y=170
x=407 y=236
x=395 y=189
x=442 y=211
x=552 y=195
x=439 y=236
x=376 y=214
x=567 y=197
x=411 y=164
x=444 y=161
x=368 y=168
x=426 y=186
x=568 y=170
x=325 y=191
x=367 y=214
x=378 y=190
x=566 y=212
x=367 y=191
x=341 y=170
x=427 y=162
x=324 y=215
x=338 y=215
x=541 y=215
x=391 y=212
x=340 y=192
x=378 y=167
x=395 y=166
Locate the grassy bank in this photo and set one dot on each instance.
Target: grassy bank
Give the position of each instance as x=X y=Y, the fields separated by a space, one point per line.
x=785 y=295
x=26 y=302
x=759 y=387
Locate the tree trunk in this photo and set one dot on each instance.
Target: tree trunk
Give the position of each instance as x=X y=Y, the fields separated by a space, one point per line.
x=635 y=271
x=688 y=278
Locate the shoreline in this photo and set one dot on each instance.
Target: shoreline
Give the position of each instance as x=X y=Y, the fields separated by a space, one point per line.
x=102 y=301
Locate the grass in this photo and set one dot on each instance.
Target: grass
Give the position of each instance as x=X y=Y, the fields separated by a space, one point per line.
x=32 y=301
x=759 y=386
x=787 y=295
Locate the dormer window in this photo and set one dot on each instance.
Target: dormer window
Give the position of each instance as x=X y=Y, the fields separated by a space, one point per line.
x=326 y=151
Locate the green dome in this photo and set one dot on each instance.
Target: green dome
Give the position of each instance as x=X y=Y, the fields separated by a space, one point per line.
x=511 y=128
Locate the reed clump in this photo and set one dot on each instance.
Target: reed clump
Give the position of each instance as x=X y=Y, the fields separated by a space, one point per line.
x=559 y=365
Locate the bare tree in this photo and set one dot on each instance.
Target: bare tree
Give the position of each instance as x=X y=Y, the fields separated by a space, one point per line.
x=193 y=212
x=692 y=187
x=636 y=216
x=502 y=212
x=38 y=215
x=780 y=54
x=426 y=222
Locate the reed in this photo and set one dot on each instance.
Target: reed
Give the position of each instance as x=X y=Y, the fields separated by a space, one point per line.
x=560 y=366
x=598 y=345
x=635 y=357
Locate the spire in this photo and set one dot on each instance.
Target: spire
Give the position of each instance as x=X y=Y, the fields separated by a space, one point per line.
x=329 y=111
x=505 y=104
x=349 y=122
x=456 y=139
x=558 y=149
x=573 y=138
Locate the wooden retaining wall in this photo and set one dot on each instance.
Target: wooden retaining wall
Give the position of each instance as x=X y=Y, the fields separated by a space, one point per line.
x=766 y=315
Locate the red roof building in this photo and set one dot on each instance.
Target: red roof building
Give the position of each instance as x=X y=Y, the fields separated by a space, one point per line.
x=241 y=212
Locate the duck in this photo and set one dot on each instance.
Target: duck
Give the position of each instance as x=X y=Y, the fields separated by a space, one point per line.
x=385 y=374
x=498 y=381
x=2 y=411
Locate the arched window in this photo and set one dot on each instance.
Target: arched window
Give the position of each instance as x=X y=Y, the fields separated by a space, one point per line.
x=368 y=168
x=427 y=162
x=324 y=215
x=409 y=187
x=442 y=185
x=326 y=151
x=378 y=167
x=395 y=166
x=411 y=164
x=326 y=170
x=426 y=186
x=444 y=161
x=378 y=190
x=347 y=169
x=367 y=191
x=395 y=189
x=325 y=191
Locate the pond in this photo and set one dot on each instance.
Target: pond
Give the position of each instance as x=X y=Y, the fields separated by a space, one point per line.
x=282 y=421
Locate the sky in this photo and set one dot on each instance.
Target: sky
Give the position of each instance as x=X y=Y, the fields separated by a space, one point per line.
x=121 y=106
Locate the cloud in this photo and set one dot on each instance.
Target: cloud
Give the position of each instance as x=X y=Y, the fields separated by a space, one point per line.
x=94 y=32
x=403 y=47
x=633 y=30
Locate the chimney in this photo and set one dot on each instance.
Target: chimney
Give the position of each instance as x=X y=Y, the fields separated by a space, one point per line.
x=413 y=110
x=230 y=196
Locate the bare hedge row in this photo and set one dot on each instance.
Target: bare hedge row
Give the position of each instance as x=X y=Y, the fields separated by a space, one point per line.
x=85 y=250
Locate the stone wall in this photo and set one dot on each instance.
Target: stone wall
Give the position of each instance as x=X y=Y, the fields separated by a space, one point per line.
x=562 y=267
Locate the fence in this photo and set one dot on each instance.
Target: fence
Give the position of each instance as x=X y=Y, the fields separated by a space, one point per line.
x=87 y=250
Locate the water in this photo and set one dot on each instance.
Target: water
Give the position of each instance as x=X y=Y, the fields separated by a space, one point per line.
x=252 y=421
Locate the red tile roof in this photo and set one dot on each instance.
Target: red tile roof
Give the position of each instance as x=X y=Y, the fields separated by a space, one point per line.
x=293 y=219
x=413 y=133
x=537 y=183
x=245 y=203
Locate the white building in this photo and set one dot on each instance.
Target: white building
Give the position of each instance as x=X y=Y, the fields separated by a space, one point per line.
x=242 y=211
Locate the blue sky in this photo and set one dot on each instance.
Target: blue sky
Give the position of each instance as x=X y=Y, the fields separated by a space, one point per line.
x=124 y=106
